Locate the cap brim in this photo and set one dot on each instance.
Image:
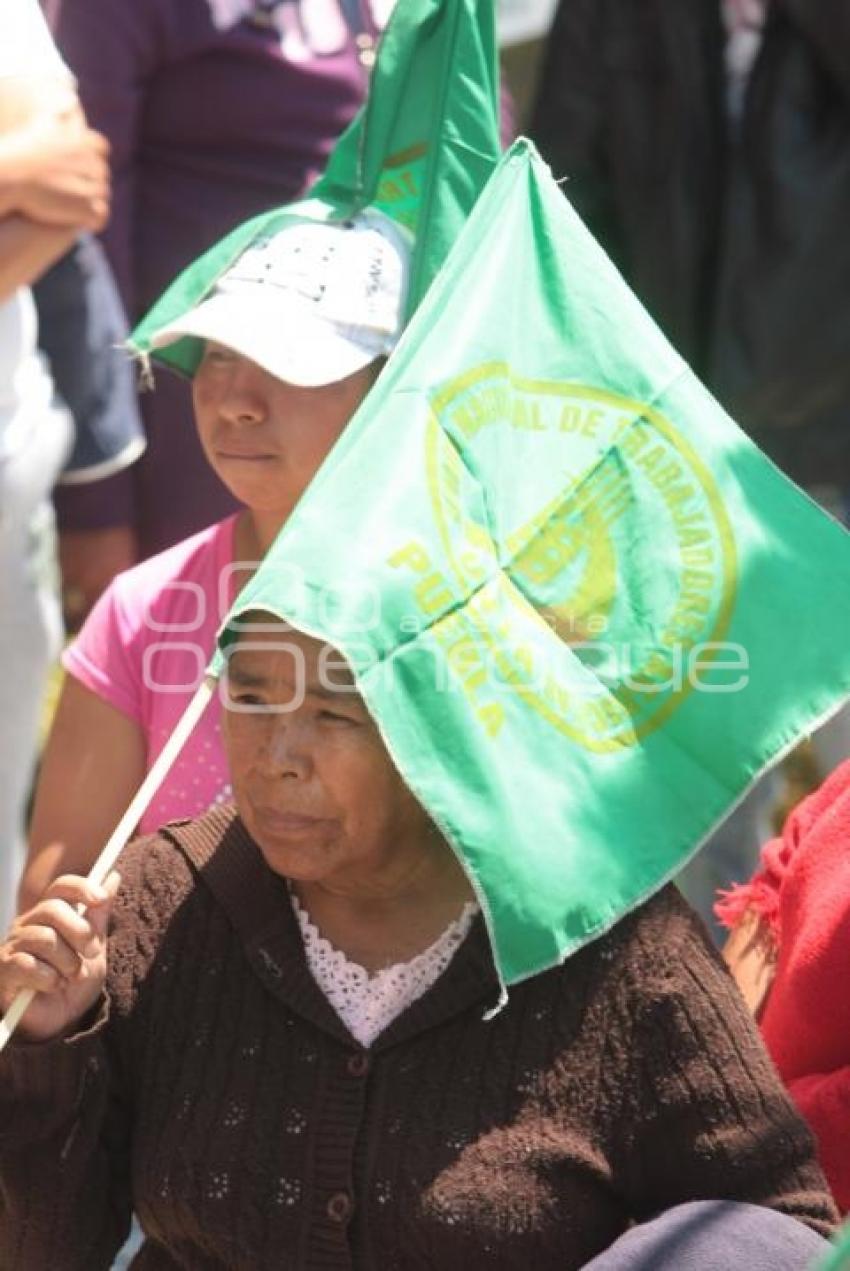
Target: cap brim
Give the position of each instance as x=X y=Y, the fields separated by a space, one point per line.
x=287 y=341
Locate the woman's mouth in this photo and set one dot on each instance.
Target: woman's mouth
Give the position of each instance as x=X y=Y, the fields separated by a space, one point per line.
x=245 y=456
x=290 y=825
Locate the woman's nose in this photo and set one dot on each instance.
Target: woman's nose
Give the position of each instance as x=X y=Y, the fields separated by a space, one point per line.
x=285 y=753
x=244 y=400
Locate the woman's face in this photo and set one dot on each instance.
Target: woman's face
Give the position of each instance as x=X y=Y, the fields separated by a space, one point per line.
x=264 y=438
x=312 y=780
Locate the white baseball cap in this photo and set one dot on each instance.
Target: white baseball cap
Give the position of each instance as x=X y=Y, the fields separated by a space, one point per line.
x=312 y=303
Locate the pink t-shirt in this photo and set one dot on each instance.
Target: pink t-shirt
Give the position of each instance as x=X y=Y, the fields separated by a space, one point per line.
x=144 y=649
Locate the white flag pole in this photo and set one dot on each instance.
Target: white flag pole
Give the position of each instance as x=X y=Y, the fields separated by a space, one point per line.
x=125 y=827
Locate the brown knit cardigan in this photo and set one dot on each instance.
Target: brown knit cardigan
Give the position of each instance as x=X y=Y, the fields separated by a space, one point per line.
x=216 y=1092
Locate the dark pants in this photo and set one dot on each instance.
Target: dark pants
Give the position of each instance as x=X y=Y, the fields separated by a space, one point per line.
x=81 y=328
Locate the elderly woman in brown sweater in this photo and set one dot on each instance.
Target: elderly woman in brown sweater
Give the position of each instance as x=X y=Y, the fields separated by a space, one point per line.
x=280 y=1058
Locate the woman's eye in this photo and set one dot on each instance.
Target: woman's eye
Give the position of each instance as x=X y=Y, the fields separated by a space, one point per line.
x=331 y=717
x=245 y=700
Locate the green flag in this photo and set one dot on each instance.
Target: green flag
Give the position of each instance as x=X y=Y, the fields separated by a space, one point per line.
x=583 y=608
x=427 y=139
x=838 y=1259
x=420 y=150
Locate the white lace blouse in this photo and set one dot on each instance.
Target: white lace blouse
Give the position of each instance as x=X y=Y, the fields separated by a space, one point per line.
x=366 y=1003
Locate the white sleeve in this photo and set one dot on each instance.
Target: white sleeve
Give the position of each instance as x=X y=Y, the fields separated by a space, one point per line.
x=26 y=47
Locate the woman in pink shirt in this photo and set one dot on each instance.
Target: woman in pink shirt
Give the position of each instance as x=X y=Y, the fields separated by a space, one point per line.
x=282 y=373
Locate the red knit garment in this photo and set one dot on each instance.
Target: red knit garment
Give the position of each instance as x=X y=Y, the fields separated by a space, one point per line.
x=803 y=890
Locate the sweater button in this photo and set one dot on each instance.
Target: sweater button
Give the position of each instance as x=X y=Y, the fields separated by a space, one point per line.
x=358 y=1065
x=340 y=1207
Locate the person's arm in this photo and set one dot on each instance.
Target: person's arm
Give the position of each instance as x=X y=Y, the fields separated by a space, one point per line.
x=94 y=762
x=64 y=1140
x=54 y=182
x=704 y=1114
x=53 y=168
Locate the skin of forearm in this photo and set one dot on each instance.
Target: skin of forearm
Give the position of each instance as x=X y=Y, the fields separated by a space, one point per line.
x=27 y=249
x=24 y=101
x=19 y=166
x=13 y=175
x=8 y=193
